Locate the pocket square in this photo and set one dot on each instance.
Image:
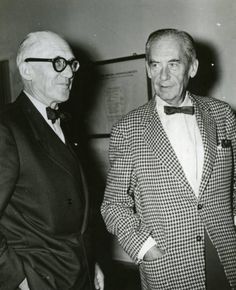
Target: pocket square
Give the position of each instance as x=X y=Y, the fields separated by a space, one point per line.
x=225 y=143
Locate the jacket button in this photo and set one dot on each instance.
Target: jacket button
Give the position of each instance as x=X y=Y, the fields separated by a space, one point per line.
x=69 y=201
x=199 y=238
x=200 y=206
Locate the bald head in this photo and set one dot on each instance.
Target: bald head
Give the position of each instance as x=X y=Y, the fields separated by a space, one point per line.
x=37 y=44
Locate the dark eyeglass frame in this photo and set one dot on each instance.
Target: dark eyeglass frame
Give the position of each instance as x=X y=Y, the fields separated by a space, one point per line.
x=54 y=60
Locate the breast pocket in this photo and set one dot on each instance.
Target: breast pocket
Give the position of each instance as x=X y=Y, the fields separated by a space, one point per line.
x=224 y=153
x=223 y=162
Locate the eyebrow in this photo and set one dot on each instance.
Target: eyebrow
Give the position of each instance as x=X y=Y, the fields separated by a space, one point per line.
x=171 y=60
x=152 y=61
x=174 y=60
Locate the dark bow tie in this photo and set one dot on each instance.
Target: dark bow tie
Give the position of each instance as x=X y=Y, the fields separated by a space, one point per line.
x=185 y=110
x=53 y=114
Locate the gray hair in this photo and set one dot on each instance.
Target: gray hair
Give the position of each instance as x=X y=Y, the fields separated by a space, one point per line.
x=184 y=37
x=33 y=43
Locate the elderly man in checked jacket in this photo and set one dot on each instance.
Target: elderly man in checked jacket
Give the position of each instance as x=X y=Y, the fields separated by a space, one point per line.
x=170 y=195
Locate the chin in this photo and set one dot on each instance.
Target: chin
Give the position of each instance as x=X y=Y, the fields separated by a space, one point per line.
x=166 y=96
x=63 y=97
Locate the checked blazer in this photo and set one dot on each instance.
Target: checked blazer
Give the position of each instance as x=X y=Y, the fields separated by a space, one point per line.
x=147 y=194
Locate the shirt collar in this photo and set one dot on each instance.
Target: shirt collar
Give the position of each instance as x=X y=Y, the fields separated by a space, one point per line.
x=39 y=106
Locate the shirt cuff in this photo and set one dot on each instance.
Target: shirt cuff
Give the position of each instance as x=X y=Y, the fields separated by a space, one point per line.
x=148 y=244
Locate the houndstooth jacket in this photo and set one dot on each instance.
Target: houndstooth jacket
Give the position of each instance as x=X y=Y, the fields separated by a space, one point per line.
x=147 y=194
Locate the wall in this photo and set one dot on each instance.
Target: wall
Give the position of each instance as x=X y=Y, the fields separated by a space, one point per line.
x=109 y=29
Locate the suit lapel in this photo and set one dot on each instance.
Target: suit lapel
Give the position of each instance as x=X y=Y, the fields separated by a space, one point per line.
x=81 y=176
x=156 y=138
x=69 y=144
x=208 y=130
x=46 y=137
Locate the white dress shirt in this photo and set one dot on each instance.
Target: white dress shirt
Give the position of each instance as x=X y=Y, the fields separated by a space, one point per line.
x=56 y=127
x=184 y=135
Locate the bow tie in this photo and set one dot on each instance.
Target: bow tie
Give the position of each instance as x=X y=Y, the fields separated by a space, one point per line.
x=53 y=114
x=185 y=110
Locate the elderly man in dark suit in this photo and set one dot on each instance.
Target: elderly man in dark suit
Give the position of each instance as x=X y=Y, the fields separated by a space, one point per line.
x=170 y=194
x=43 y=197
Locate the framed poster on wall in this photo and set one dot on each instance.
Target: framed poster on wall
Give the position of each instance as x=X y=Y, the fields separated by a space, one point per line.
x=123 y=86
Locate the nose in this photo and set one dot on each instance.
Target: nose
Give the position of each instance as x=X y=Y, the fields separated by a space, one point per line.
x=67 y=72
x=164 y=74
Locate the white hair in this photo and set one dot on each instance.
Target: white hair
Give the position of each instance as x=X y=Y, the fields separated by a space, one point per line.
x=33 y=44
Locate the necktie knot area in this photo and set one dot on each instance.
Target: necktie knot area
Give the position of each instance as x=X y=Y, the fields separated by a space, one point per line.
x=169 y=110
x=53 y=114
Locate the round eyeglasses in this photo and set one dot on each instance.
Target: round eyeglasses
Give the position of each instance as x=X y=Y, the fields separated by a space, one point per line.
x=59 y=63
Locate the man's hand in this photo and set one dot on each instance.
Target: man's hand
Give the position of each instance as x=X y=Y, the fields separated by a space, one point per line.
x=98 y=278
x=24 y=285
x=153 y=254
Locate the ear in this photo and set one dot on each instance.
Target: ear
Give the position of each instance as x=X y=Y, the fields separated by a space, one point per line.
x=25 y=71
x=193 y=69
x=148 y=69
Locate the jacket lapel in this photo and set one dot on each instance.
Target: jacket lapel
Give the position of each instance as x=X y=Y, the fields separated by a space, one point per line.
x=157 y=140
x=208 y=130
x=57 y=151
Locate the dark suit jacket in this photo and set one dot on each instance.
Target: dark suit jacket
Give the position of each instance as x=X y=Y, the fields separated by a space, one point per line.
x=43 y=205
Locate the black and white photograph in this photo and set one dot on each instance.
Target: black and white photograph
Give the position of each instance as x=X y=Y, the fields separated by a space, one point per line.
x=117 y=145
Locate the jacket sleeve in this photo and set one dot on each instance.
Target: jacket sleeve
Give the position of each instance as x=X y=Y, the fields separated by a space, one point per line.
x=118 y=207
x=11 y=269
